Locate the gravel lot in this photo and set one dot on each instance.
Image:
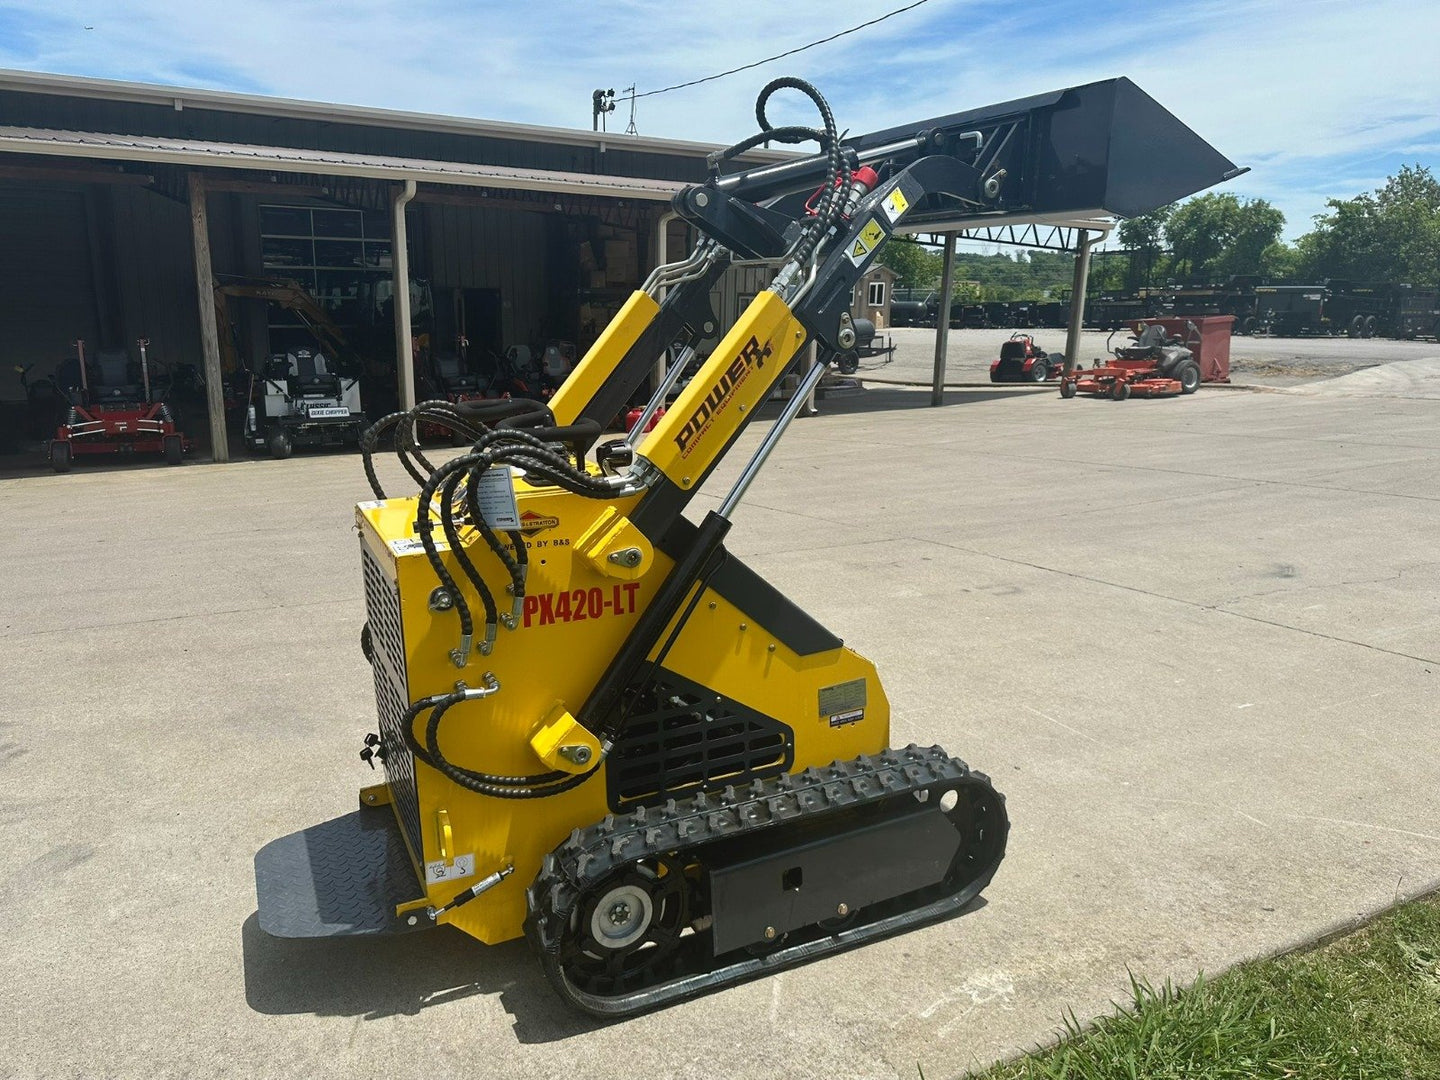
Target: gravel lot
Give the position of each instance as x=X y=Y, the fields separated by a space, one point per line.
x=1253 y=361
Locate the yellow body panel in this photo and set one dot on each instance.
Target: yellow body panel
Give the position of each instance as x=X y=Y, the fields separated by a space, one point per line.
x=578 y=610
x=554 y=656
x=599 y=363
x=733 y=381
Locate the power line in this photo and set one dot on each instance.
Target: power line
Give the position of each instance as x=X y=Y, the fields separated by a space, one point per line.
x=781 y=56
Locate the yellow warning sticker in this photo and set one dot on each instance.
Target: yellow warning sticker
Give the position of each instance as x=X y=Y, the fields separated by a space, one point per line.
x=868 y=240
x=894 y=205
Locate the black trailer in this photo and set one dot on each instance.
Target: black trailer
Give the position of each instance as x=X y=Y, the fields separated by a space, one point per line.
x=1291 y=310
x=1000 y=313
x=1053 y=314
x=1417 y=312
x=973 y=317
x=1114 y=312
x=1358 y=309
x=1361 y=309
x=1234 y=297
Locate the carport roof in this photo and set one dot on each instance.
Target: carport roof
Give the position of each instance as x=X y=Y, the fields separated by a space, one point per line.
x=104 y=146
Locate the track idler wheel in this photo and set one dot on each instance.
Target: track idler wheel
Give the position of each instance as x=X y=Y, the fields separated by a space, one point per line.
x=623 y=932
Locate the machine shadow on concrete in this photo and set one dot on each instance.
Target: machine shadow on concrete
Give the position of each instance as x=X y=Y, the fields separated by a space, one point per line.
x=378 y=977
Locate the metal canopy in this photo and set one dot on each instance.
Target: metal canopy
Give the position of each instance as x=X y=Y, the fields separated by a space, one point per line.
x=1045 y=235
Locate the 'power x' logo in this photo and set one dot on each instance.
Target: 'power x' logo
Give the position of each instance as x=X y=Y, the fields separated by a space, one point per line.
x=752 y=356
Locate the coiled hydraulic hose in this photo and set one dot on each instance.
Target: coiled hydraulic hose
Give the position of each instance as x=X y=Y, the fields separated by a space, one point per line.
x=837 y=172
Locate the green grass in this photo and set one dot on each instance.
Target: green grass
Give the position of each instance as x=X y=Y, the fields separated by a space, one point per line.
x=1363 y=1007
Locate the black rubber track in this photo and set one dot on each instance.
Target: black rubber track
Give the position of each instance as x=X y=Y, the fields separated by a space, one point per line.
x=675 y=831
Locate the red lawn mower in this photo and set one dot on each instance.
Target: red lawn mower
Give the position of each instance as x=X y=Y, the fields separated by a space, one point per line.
x=112 y=410
x=1153 y=364
x=1021 y=360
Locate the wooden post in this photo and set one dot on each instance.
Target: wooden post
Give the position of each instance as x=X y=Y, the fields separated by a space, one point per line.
x=942 y=323
x=209 y=336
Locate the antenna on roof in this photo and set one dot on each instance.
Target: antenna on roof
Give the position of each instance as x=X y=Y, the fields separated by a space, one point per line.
x=630 y=129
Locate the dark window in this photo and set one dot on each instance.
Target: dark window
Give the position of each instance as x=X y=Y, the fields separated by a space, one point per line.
x=335 y=253
x=339 y=223
x=283 y=253
x=285 y=221
x=877 y=294
x=339 y=253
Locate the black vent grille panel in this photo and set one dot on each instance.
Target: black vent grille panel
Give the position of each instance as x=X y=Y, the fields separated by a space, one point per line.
x=678 y=739
x=382 y=608
x=392 y=693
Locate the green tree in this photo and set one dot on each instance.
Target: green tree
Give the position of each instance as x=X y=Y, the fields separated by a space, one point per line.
x=1280 y=262
x=1255 y=232
x=1215 y=235
x=1144 y=237
x=915 y=266
x=1392 y=234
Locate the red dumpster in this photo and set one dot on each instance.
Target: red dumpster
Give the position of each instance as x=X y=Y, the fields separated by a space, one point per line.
x=1207 y=336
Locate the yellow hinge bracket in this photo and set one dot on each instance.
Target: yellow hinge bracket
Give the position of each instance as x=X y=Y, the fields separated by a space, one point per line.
x=563 y=743
x=613 y=546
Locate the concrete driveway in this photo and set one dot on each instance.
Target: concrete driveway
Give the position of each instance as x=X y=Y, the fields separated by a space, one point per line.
x=1194 y=641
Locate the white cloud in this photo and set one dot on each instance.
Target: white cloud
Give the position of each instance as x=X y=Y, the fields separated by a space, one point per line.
x=1318 y=98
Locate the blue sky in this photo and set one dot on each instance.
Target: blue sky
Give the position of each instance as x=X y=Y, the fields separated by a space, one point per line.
x=1322 y=99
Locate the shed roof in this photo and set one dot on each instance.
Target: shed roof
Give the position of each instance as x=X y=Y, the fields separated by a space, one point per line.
x=90 y=144
x=180 y=98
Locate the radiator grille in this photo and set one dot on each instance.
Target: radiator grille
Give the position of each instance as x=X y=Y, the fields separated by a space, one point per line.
x=679 y=738
x=392 y=694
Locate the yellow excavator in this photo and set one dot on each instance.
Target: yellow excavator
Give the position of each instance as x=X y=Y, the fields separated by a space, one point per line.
x=599 y=729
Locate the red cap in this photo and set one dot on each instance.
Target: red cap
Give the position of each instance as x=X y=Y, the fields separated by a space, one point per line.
x=865 y=175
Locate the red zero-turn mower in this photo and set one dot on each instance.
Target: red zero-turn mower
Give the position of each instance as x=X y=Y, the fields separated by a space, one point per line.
x=1152 y=365
x=1021 y=360
x=112 y=411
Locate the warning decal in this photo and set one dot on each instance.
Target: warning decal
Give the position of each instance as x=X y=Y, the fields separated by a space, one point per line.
x=843 y=703
x=440 y=870
x=894 y=205
x=413 y=544
x=496 y=495
x=868 y=240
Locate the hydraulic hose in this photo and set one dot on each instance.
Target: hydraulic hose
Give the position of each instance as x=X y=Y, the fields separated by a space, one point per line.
x=457 y=547
x=537 y=786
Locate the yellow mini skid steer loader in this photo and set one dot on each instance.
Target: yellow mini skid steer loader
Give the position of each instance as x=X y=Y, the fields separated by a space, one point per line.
x=599 y=729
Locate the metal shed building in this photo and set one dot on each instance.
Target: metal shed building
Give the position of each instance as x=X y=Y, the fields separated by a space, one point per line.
x=121 y=203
